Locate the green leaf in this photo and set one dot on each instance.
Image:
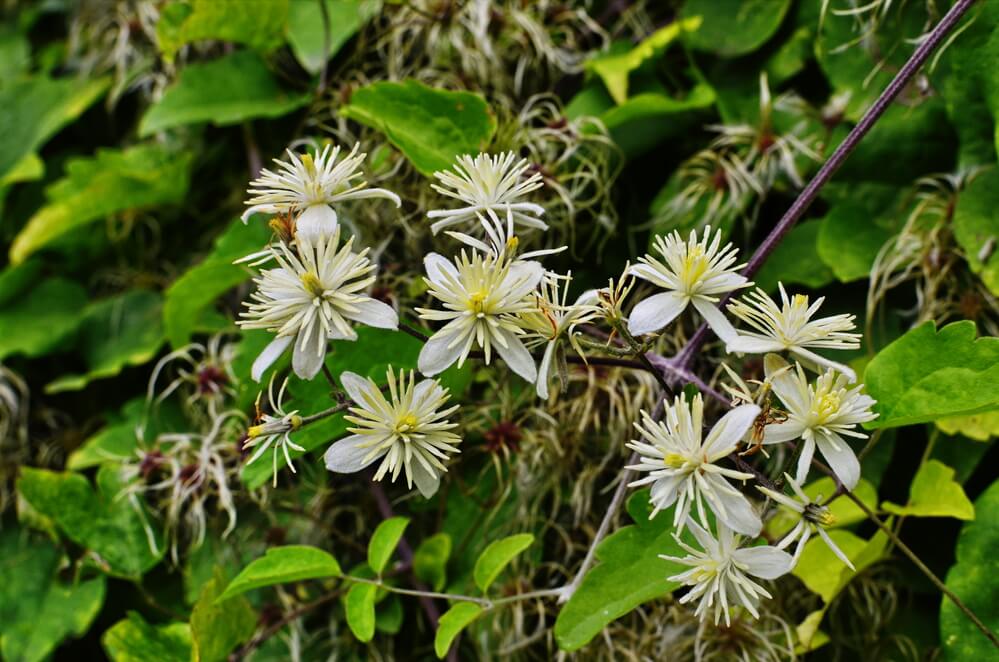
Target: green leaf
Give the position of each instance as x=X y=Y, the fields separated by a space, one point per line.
x=822 y=571
x=37 y=611
x=100 y=521
x=113 y=181
x=855 y=228
x=225 y=91
x=35 y=109
x=197 y=289
x=844 y=511
x=496 y=556
x=281 y=565
x=134 y=640
x=974 y=578
x=35 y=325
x=628 y=574
x=452 y=622
x=125 y=330
x=928 y=374
x=389 y=615
x=383 y=542
x=734 y=27
x=306 y=33
x=360 y=609
x=120 y=438
x=649 y=118
x=976 y=227
x=796 y=261
x=614 y=68
x=934 y=493
x=218 y=624
x=259 y=24
x=980 y=427
x=430 y=560
x=431 y=127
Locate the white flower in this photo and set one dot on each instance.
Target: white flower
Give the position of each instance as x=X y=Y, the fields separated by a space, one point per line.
x=409 y=431
x=273 y=430
x=791 y=327
x=814 y=518
x=682 y=466
x=554 y=319
x=482 y=295
x=488 y=184
x=310 y=298
x=307 y=186
x=693 y=272
x=720 y=572
x=819 y=415
x=501 y=238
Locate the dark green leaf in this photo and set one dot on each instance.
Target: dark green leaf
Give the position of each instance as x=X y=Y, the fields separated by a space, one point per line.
x=256 y=23
x=976 y=227
x=796 y=261
x=306 y=33
x=430 y=560
x=734 y=27
x=38 y=323
x=218 y=624
x=281 y=565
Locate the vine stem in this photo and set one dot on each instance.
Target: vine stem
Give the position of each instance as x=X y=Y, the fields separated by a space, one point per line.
x=829 y=168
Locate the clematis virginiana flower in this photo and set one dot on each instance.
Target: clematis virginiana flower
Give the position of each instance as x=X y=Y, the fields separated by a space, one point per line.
x=555 y=320
x=790 y=327
x=693 y=272
x=310 y=298
x=481 y=296
x=273 y=430
x=720 y=572
x=820 y=415
x=500 y=239
x=408 y=431
x=305 y=186
x=488 y=185
x=813 y=518
x=682 y=469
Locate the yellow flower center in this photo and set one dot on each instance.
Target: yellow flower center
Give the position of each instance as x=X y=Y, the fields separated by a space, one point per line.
x=476 y=302
x=674 y=460
x=695 y=265
x=406 y=424
x=254 y=431
x=312 y=284
x=826 y=405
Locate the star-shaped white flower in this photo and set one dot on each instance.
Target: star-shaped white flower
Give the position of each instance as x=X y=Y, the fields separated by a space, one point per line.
x=790 y=327
x=720 y=572
x=310 y=298
x=274 y=430
x=682 y=465
x=488 y=184
x=408 y=431
x=693 y=272
x=500 y=239
x=482 y=296
x=820 y=415
x=306 y=186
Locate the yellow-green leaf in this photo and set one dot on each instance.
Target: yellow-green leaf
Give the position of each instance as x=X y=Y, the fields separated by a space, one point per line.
x=451 y=623
x=496 y=556
x=384 y=541
x=935 y=493
x=281 y=565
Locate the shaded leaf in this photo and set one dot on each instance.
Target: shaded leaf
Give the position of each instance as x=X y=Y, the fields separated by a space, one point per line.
x=822 y=571
x=280 y=565
x=452 y=622
x=496 y=556
x=934 y=493
x=41 y=321
x=646 y=119
x=430 y=560
x=734 y=27
x=976 y=227
x=796 y=261
x=384 y=541
x=218 y=624
x=259 y=24
x=134 y=640
x=306 y=33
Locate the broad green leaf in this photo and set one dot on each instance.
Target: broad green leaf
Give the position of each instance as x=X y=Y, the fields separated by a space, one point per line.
x=113 y=181
x=452 y=622
x=360 y=608
x=384 y=541
x=115 y=333
x=647 y=119
x=15 y=280
x=822 y=571
x=37 y=610
x=614 y=69
x=796 y=261
x=929 y=374
x=974 y=578
x=389 y=615
x=120 y=438
x=430 y=560
x=628 y=574
x=259 y=24
x=849 y=239
x=35 y=109
x=844 y=511
x=431 y=127
x=976 y=227
x=134 y=640
x=934 y=493
x=809 y=636
x=225 y=91
x=15 y=53
x=28 y=169
x=306 y=33
x=734 y=27
x=980 y=427
x=280 y=565
x=218 y=624
x=42 y=319
x=496 y=556
x=197 y=289
x=99 y=520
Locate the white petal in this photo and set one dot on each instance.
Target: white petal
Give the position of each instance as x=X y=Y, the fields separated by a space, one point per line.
x=355 y=386
x=840 y=457
x=544 y=371
x=729 y=430
x=517 y=357
x=375 y=313
x=805 y=460
x=316 y=221
x=523 y=277
x=740 y=516
x=437 y=265
x=305 y=360
x=270 y=354
x=715 y=318
x=812 y=357
x=778 y=433
x=435 y=357
x=751 y=345
x=260 y=209
x=664 y=491
x=344 y=456
x=656 y=312
x=764 y=562
x=426 y=481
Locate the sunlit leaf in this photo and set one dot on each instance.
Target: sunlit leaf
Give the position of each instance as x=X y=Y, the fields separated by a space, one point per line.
x=384 y=541
x=134 y=640
x=360 y=608
x=281 y=565
x=256 y=23
x=452 y=622
x=306 y=32
x=497 y=556
x=934 y=493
